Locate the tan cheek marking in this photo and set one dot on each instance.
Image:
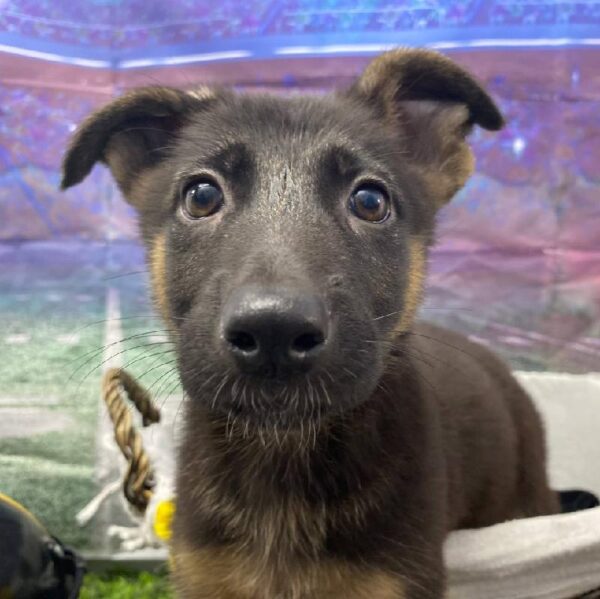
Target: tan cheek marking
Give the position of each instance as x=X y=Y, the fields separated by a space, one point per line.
x=218 y=574
x=158 y=271
x=417 y=259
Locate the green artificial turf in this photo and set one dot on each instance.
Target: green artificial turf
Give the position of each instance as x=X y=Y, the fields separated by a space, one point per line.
x=51 y=472
x=142 y=585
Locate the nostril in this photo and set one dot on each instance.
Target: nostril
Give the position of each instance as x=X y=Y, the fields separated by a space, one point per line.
x=242 y=341
x=307 y=342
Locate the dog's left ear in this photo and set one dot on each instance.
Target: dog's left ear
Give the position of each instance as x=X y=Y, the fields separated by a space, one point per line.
x=434 y=104
x=131 y=133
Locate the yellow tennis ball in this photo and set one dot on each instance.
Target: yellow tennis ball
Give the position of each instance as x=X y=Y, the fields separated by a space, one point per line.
x=163 y=519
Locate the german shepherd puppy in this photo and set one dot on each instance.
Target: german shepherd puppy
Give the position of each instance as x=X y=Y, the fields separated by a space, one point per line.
x=331 y=442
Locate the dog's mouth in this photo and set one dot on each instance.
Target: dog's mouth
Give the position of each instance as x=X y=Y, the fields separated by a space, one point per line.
x=300 y=397
x=261 y=402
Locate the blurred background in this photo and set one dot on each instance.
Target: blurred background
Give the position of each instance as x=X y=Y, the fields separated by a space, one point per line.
x=516 y=266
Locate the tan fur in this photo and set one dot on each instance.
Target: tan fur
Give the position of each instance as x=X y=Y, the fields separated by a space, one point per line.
x=202 y=92
x=416 y=271
x=227 y=574
x=450 y=166
x=158 y=256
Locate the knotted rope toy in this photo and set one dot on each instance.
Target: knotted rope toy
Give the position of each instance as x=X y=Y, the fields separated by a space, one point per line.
x=139 y=483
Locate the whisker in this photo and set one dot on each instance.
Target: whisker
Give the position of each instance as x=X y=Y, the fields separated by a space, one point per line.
x=155 y=367
x=169 y=385
x=130 y=363
x=177 y=411
x=157 y=385
x=387 y=315
x=119 y=318
x=100 y=348
x=125 y=274
x=111 y=357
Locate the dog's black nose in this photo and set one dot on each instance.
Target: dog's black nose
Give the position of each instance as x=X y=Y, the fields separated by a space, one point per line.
x=274 y=331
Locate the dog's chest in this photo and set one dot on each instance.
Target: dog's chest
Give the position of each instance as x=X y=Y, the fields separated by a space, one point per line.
x=275 y=530
x=276 y=550
x=231 y=573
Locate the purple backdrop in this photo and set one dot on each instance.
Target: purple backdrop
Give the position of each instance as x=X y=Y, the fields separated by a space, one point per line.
x=518 y=258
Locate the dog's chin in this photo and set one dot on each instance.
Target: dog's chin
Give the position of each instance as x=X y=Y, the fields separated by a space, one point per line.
x=262 y=404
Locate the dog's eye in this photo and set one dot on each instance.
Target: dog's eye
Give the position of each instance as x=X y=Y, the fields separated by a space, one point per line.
x=370 y=203
x=202 y=199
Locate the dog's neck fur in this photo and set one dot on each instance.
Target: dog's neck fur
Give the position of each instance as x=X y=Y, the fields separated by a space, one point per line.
x=296 y=493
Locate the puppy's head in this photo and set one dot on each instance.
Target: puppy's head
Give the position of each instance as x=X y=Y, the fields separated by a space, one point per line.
x=287 y=237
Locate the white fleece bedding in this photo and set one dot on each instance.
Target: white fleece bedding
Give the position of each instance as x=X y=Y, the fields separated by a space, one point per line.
x=551 y=557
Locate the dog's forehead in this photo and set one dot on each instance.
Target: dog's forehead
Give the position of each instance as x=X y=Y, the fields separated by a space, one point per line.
x=271 y=129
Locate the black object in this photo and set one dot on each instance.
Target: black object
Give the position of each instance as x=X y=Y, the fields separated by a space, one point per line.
x=595 y=594
x=576 y=500
x=34 y=564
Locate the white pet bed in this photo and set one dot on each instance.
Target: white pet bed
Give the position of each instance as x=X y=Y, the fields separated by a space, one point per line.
x=552 y=557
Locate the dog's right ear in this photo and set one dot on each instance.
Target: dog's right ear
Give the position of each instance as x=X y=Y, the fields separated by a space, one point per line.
x=432 y=104
x=130 y=134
